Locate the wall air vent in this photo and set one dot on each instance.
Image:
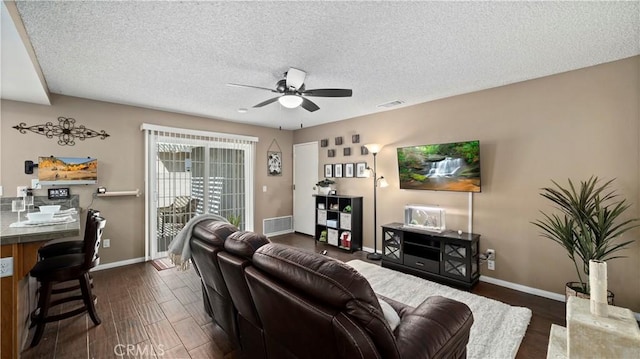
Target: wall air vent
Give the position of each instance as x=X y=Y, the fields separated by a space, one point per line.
x=277 y=225
x=391 y=104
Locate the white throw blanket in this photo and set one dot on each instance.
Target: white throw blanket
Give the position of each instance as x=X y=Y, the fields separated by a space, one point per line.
x=179 y=248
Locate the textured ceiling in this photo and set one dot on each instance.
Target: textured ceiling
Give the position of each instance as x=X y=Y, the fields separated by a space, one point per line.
x=178 y=56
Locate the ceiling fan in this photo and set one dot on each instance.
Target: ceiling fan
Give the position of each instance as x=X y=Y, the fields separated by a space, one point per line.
x=292 y=91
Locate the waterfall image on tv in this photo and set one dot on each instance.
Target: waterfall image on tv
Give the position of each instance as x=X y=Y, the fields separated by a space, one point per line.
x=67 y=170
x=440 y=167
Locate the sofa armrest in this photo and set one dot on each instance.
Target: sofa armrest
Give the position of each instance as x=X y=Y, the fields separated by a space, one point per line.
x=437 y=328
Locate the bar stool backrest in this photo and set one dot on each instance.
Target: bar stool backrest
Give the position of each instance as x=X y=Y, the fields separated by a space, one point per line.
x=91 y=246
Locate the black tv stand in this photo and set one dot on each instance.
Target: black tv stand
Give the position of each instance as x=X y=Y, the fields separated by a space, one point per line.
x=446 y=257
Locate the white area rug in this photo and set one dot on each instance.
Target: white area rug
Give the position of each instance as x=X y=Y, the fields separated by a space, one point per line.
x=497 y=329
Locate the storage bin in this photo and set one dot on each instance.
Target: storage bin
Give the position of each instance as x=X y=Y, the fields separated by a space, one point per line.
x=322 y=217
x=332 y=223
x=345 y=221
x=332 y=236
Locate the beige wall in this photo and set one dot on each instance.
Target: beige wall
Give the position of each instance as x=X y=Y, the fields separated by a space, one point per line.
x=572 y=125
x=121 y=161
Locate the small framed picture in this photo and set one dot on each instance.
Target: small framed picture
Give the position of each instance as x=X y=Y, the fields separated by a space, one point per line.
x=337 y=170
x=328 y=171
x=348 y=170
x=338 y=140
x=274 y=163
x=346 y=151
x=324 y=143
x=361 y=169
x=355 y=139
x=331 y=153
x=364 y=150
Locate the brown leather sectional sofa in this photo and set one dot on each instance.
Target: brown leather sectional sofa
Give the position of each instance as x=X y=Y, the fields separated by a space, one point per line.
x=276 y=301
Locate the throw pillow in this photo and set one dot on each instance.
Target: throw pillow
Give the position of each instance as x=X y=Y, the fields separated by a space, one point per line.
x=389 y=314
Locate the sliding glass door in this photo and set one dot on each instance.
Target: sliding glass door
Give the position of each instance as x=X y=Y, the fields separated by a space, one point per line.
x=190 y=174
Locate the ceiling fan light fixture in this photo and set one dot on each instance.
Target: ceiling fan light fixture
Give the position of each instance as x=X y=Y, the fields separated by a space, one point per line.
x=290 y=101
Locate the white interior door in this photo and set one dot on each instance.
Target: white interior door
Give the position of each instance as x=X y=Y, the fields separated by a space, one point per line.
x=305 y=177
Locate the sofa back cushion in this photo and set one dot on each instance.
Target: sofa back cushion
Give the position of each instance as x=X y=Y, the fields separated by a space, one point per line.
x=207 y=241
x=239 y=249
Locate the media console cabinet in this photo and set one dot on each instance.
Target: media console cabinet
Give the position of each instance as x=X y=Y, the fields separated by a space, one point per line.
x=446 y=257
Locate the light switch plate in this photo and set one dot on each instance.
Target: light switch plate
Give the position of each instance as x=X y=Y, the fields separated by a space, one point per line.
x=35 y=184
x=1 y=191
x=6 y=267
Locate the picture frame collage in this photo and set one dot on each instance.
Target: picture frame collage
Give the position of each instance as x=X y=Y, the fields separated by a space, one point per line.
x=346 y=151
x=344 y=170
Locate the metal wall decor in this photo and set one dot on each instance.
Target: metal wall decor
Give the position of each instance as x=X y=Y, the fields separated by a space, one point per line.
x=331 y=153
x=66 y=131
x=346 y=151
x=338 y=140
x=324 y=143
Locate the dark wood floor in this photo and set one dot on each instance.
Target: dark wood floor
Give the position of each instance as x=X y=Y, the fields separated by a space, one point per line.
x=159 y=314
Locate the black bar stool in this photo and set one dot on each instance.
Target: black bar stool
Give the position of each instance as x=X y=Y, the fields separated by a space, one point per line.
x=57 y=247
x=64 y=268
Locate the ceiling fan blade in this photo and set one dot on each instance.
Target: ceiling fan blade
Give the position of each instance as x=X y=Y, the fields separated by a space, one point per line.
x=295 y=78
x=328 y=92
x=308 y=105
x=253 y=87
x=264 y=103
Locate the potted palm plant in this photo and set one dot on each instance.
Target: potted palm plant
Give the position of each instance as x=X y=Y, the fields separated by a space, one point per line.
x=587 y=226
x=324 y=186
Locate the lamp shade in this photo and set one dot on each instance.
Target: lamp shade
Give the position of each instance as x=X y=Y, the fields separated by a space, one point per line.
x=368 y=173
x=383 y=182
x=373 y=147
x=290 y=101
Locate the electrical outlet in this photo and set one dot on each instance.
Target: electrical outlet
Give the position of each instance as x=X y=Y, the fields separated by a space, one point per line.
x=491 y=259
x=106 y=243
x=6 y=267
x=1 y=191
x=22 y=191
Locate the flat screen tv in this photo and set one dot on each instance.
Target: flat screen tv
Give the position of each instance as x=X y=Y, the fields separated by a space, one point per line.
x=67 y=170
x=440 y=167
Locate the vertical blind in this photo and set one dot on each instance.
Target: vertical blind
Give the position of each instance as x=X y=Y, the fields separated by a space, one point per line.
x=213 y=169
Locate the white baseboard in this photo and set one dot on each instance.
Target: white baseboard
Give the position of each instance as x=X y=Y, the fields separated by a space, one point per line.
x=370 y=250
x=531 y=290
x=523 y=288
x=119 y=263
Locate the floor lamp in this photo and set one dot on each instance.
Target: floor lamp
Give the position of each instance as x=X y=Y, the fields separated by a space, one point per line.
x=377 y=181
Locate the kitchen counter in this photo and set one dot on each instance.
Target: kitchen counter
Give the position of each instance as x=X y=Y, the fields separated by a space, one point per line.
x=10 y=235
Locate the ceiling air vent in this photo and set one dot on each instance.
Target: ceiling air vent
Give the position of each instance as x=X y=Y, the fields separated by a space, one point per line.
x=391 y=104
